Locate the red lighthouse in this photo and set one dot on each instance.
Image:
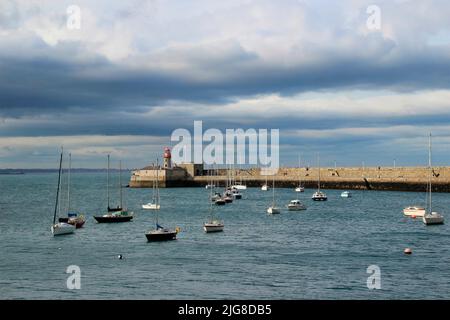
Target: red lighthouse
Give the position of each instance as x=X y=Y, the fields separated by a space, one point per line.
x=167 y=158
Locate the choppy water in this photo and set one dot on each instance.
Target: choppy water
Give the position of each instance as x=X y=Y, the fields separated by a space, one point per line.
x=321 y=253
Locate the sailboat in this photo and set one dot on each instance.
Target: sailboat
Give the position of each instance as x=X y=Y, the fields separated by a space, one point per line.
x=265 y=186
x=60 y=228
x=273 y=209
x=118 y=214
x=319 y=195
x=154 y=205
x=213 y=224
x=72 y=216
x=160 y=233
x=239 y=185
x=300 y=188
x=431 y=217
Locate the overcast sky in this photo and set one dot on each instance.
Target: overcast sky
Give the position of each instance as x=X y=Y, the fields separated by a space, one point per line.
x=137 y=70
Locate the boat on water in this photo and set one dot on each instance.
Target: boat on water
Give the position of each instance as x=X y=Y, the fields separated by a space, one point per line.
x=300 y=187
x=265 y=186
x=236 y=194
x=296 y=205
x=414 y=211
x=118 y=214
x=161 y=234
x=319 y=195
x=239 y=186
x=431 y=217
x=228 y=198
x=155 y=203
x=60 y=228
x=73 y=217
x=346 y=194
x=273 y=209
x=213 y=224
x=220 y=201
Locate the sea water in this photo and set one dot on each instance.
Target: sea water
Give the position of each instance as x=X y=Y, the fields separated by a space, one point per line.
x=320 y=253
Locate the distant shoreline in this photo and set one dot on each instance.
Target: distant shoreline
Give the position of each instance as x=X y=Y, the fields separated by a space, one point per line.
x=74 y=170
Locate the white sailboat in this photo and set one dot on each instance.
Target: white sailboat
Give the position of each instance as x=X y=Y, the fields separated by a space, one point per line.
x=319 y=195
x=431 y=218
x=300 y=188
x=213 y=224
x=265 y=186
x=155 y=204
x=60 y=228
x=346 y=194
x=239 y=185
x=273 y=209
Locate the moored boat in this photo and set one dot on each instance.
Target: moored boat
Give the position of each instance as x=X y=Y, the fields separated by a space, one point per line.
x=296 y=205
x=415 y=211
x=346 y=194
x=431 y=217
x=161 y=234
x=60 y=228
x=119 y=214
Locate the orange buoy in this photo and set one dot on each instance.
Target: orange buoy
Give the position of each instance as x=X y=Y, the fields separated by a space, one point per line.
x=407 y=251
x=413 y=216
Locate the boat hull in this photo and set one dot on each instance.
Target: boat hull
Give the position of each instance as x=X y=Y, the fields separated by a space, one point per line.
x=240 y=187
x=228 y=200
x=414 y=212
x=212 y=227
x=273 y=210
x=320 y=199
x=151 y=206
x=299 y=189
x=113 y=219
x=62 y=228
x=296 y=208
x=157 y=236
x=433 y=219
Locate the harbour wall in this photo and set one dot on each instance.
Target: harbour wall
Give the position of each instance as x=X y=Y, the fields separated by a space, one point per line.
x=371 y=178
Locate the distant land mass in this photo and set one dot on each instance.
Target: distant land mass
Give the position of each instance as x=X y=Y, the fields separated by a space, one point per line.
x=74 y=170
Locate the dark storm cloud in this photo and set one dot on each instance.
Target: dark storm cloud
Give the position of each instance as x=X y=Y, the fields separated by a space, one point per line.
x=51 y=85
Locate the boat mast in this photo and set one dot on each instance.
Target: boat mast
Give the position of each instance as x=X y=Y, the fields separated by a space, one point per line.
x=59 y=184
x=157 y=178
x=210 y=197
x=318 y=164
x=107 y=182
x=157 y=182
x=120 y=183
x=68 y=183
x=430 y=175
x=299 y=173
x=273 y=190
